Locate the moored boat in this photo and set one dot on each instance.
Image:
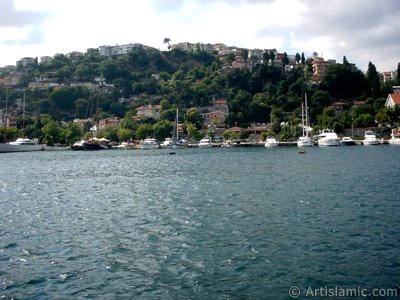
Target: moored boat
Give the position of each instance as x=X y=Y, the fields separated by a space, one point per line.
x=167 y=143
x=22 y=145
x=88 y=145
x=205 y=142
x=327 y=137
x=347 y=141
x=270 y=142
x=370 y=138
x=149 y=143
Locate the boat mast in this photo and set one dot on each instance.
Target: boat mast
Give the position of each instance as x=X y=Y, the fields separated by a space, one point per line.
x=176 y=124
x=23 y=114
x=5 y=117
x=302 y=117
x=306 y=109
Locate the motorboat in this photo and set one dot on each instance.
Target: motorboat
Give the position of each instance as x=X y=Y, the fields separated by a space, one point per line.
x=167 y=143
x=88 y=145
x=149 y=143
x=347 y=141
x=327 y=137
x=304 y=140
x=22 y=145
x=205 y=142
x=270 y=142
x=370 y=138
x=394 y=137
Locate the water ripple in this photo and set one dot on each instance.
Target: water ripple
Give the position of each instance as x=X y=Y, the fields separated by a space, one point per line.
x=202 y=224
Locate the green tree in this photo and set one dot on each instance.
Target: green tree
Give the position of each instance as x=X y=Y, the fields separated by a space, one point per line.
x=285 y=59
x=297 y=57
x=303 y=59
x=166 y=41
x=124 y=134
x=128 y=122
x=71 y=134
x=163 y=129
x=373 y=81
x=343 y=81
x=52 y=133
x=144 y=131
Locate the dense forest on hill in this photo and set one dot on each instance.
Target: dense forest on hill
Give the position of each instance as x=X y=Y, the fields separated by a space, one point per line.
x=259 y=93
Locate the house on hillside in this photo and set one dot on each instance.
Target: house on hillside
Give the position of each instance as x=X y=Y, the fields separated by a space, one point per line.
x=217 y=113
x=148 y=111
x=103 y=123
x=392 y=100
x=338 y=107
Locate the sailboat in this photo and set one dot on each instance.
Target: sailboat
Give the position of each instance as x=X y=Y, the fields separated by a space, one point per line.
x=174 y=142
x=304 y=140
x=20 y=144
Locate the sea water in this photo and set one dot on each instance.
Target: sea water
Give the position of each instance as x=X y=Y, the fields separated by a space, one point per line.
x=239 y=223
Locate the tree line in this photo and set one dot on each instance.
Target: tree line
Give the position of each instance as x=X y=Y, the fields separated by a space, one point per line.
x=261 y=93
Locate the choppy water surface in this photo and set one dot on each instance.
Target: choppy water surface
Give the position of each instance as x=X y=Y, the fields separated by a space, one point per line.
x=201 y=224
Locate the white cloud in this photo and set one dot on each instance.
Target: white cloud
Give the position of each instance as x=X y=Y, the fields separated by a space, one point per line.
x=359 y=29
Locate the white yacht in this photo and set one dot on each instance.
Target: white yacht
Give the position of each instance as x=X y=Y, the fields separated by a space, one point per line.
x=149 y=143
x=327 y=137
x=304 y=140
x=370 y=138
x=167 y=143
x=394 y=137
x=22 y=145
x=270 y=142
x=205 y=142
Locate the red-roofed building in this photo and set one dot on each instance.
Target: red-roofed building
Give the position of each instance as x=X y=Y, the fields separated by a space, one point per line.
x=392 y=100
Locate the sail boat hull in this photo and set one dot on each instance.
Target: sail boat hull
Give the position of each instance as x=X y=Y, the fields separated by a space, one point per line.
x=305 y=141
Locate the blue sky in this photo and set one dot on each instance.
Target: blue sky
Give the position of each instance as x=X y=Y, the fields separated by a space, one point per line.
x=361 y=30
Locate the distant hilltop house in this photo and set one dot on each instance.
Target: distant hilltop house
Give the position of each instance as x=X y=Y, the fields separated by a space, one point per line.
x=148 y=111
x=393 y=100
x=319 y=66
x=120 y=49
x=26 y=62
x=189 y=47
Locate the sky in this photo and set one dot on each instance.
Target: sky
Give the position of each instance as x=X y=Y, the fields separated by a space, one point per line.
x=362 y=30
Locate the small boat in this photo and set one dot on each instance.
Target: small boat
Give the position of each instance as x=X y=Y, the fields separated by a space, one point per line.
x=167 y=143
x=22 y=145
x=205 y=142
x=327 y=137
x=370 y=138
x=270 y=142
x=89 y=145
x=305 y=141
x=394 y=137
x=149 y=143
x=347 y=141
